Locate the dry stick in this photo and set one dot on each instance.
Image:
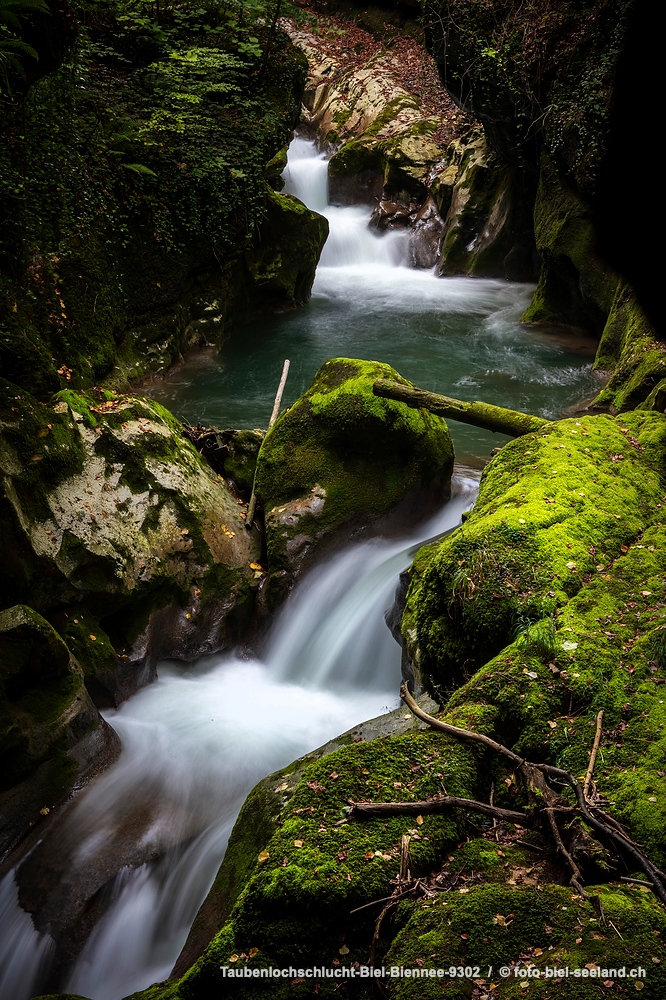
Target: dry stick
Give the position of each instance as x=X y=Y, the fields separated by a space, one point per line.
x=405 y=874
x=435 y=806
x=593 y=755
x=274 y=415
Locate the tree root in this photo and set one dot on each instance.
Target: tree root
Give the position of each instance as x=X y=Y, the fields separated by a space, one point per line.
x=546 y=809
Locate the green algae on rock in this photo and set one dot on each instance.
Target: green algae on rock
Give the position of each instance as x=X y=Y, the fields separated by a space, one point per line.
x=341 y=457
x=107 y=505
x=51 y=734
x=552 y=506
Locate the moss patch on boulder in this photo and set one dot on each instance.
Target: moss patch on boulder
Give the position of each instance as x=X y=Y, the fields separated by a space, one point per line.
x=342 y=457
x=552 y=506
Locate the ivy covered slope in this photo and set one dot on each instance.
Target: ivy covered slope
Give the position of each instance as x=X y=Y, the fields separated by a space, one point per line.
x=541 y=80
x=137 y=220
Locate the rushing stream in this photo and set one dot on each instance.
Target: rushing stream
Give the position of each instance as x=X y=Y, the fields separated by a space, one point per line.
x=199 y=738
x=460 y=336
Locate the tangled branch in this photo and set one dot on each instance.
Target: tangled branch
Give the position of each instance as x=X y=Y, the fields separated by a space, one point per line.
x=546 y=807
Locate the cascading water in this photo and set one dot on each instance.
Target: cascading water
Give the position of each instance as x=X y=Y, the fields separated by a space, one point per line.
x=196 y=740
x=350 y=242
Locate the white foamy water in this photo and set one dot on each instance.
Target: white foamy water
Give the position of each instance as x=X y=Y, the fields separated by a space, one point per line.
x=198 y=739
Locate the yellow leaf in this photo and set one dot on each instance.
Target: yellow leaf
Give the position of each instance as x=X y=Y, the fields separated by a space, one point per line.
x=419 y=820
x=94 y=638
x=44 y=811
x=638 y=985
x=298 y=843
x=264 y=856
x=253 y=951
x=344 y=950
x=538 y=952
x=256 y=566
x=233 y=958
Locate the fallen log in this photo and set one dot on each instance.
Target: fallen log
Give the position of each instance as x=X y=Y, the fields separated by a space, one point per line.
x=486 y=415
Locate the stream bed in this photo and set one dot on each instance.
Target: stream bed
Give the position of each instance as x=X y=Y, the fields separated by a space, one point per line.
x=198 y=739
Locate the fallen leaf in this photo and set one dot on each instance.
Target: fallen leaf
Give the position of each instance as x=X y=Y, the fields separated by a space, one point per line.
x=344 y=950
x=233 y=958
x=264 y=856
x=638 y=985
x=93 y=637
x=571 y=565
x=333 y=775
x=44 y=811
x=252 y=952
x=298 y=843
x=419 y=820
x=569 y=646
x=369 y=855
x=256 y=566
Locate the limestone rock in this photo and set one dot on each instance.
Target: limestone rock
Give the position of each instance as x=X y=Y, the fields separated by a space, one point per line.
x=340 y=458
x=111 y=517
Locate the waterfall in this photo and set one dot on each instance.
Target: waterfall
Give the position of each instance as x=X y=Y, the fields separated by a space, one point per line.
x=350 y=243
x=196 y=741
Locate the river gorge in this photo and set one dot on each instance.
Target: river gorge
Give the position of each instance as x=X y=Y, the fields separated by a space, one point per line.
x=210 y=765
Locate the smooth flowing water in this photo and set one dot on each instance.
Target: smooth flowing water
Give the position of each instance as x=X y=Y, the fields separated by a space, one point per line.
x=460 y=336
x=196 y=741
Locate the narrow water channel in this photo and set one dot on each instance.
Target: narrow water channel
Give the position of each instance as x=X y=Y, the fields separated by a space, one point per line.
x=197 y=740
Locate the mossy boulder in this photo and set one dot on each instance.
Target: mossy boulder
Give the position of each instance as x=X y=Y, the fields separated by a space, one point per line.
x=282 y=265
x=116 y=527
x=528 y=927
x=341 y=457
x=575 y=285
x=486 y=218
x=554 y=509
x=51 y=734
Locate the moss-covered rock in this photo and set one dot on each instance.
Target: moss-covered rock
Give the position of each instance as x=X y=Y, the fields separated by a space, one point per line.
x=552 y=507
x=575 y=285
x=341 y=457
x=528 y=929
x=631 y=352
x=51 y=734
x=115 y=525
x=127 y=216
x=282 y=266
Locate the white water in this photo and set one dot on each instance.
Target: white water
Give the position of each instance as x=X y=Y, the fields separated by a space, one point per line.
x=196 y=741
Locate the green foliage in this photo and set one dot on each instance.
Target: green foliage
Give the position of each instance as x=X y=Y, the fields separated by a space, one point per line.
x=138 y=161
x=13 y=14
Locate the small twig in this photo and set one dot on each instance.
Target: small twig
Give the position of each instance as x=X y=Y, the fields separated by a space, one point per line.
x=635 y=881
x=593 y=755
x=405 y=874
x=532 y=847
x=616 y=930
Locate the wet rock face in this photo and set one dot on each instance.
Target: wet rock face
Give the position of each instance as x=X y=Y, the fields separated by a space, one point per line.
x=339 y=459
x=119 y=531
x=51 y=734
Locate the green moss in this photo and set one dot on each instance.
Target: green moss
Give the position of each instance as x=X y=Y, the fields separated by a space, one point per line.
x=541 y=927
x=551 y=507
x=630 y=350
